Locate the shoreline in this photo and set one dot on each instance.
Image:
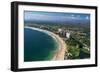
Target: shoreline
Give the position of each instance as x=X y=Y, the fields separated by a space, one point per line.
x=61 y=47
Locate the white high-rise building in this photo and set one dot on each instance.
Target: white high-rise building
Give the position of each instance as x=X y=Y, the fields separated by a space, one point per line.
x=59 y=30
x=67 y=34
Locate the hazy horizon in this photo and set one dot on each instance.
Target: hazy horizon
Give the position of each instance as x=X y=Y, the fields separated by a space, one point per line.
x=56 y=17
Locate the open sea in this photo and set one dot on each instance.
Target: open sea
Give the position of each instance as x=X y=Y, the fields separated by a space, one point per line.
x=38 y=46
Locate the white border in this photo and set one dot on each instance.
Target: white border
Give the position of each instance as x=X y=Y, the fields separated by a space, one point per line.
x=22 y=64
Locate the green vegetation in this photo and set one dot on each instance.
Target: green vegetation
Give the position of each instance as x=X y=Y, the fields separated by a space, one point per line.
x=76 y=50
x=73 y=52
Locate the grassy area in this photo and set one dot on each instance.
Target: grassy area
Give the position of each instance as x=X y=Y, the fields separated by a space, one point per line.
x=75 y=51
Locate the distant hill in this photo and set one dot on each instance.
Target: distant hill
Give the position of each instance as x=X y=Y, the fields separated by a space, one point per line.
x=72 y=23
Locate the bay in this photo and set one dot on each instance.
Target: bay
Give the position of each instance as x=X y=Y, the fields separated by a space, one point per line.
x=38 y=46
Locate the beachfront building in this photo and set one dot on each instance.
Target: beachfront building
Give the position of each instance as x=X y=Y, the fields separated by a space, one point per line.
x=64 y=33
x=59 y=30
x=68 y=35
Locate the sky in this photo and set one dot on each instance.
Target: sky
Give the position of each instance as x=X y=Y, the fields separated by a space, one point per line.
x=56 y=17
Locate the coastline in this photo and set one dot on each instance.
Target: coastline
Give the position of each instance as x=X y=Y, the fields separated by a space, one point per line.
x=59 y=55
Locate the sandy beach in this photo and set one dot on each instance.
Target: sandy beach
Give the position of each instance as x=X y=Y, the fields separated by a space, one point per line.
x=62 y=48
x=59 y=55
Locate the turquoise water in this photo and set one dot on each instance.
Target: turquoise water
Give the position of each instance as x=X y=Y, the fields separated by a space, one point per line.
x=38 y=46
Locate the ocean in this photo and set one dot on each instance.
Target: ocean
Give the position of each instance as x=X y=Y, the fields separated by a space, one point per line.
x=38 y=46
